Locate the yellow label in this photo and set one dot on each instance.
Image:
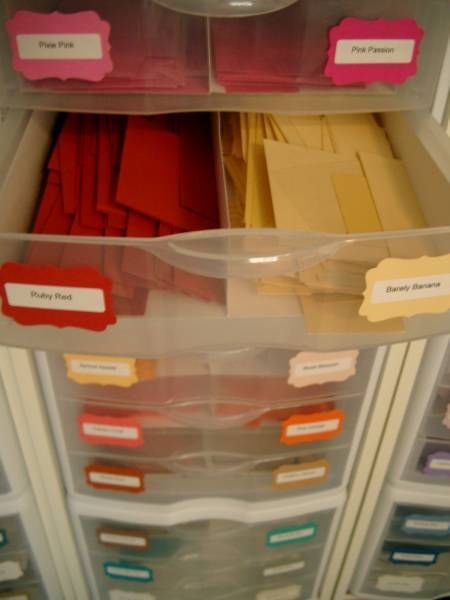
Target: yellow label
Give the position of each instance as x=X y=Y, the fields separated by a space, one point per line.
x=399 y=287
x=103 y=370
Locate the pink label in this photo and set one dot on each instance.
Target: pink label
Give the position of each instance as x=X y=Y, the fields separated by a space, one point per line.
x=111 y=431
x=373 y=51
x=311 y=368
x=62 y=46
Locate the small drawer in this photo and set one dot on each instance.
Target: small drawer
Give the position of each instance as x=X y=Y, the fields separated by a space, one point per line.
x=404 y=583
x=429 y=462
x=168 y=55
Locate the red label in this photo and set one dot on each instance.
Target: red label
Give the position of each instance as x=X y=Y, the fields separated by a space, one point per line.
x=62 y=297
x=110 y=431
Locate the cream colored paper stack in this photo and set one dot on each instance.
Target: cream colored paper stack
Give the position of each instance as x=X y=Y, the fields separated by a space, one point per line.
x=330 y=174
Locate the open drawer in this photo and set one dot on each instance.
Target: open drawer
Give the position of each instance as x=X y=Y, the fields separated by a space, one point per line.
x=224 y=55
x=229 y=262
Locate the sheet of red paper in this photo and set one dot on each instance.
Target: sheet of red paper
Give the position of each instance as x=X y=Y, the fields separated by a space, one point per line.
x=69 y=156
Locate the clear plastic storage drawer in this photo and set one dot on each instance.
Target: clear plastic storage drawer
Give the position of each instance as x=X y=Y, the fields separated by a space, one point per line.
x=148 y=57
x=221 y=269
x=409 y=555
x=237 y=551
x=211 y=424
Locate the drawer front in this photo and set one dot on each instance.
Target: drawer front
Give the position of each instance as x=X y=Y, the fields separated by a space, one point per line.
x=219 y=271
x=281 y=53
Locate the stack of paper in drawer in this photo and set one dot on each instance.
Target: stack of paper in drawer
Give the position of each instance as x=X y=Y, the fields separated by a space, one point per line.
x=330 y=174
x=152 y=49
x=129 y=177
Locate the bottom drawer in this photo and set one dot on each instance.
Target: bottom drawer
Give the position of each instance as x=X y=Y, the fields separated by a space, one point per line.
x=216 y=548
x=24 y=592
x=404 y=584
x=224 y=587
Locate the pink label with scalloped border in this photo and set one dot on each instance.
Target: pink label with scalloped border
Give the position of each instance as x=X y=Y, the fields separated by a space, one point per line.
x=61 y=46
x=312 y=368
x=362 y=51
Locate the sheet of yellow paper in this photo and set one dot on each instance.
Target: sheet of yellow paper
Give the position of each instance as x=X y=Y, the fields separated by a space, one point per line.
x=327 y=144
x=284 y=286
x=288 y=129
x=333 y=314
x=395 y=200
x=269 y=131
x=258 y=201
x=332 y=276
x=243 y=125
x=236 y=148
x=236 y=170
x=303 y=196
x=279 y=136
x=309 y=130
x=356 y=203
x=355 y=133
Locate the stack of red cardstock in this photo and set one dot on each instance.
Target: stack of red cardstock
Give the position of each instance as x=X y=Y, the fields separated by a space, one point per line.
x=130 y=177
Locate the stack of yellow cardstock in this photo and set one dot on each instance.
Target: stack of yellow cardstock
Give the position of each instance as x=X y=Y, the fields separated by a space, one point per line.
x=334 y=174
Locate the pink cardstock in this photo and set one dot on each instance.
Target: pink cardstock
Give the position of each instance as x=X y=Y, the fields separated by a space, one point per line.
x=61 y=46
x=362 y=51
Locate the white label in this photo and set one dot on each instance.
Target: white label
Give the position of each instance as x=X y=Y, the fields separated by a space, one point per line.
x=127 y=595
x=117 y=571
x=324 y=366
x=10 y=570
x=289 y=568
x=57 y=46
x=297 y=429
x=291 y=535
x=55 y=297
x=410 y=288
x=411 y=557
x=399 y=583
x=432 y=525
x=301 y=475
x=122 y=540
x=440 y=464
x=289 y=592
x=111 y=431
x=95 y=367
x=363 y=52
x=113 y=479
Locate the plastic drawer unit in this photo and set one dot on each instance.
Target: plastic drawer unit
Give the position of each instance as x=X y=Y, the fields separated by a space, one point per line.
x=217 y=548
x=407 y=552
x=211 y=424
x=227 y=263
x=13 y=475
x=26 y=567
x=332 y=56
x=422 y=454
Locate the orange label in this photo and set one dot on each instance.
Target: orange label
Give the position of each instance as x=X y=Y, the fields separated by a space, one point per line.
x=289 y=477
x=313 y=427
x=118 y=479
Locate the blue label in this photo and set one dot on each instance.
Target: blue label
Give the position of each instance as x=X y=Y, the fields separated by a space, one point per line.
x=414 y=556
x=430 y=525
x=129 y=572
x=3 y=538
x=292 y=534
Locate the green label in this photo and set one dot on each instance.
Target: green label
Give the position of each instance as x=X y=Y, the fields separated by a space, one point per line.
x=292 y=534
x=3 y=538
